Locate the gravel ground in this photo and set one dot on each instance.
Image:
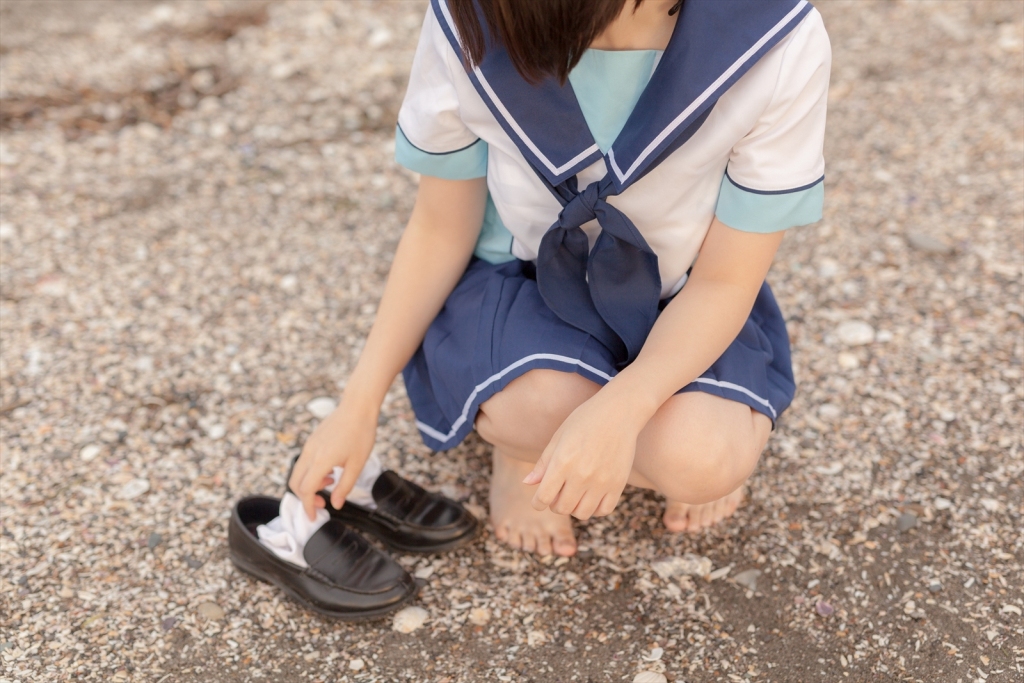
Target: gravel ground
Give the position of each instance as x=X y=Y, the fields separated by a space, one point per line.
x=198 y=211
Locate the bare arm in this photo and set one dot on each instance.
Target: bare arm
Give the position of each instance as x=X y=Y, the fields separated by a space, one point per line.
x=431 y=257
x=584 y=468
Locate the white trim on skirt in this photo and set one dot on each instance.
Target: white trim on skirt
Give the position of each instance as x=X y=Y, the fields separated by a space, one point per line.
x=445 y=438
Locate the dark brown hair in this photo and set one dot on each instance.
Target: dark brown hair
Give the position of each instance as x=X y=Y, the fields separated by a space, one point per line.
x=542 y=37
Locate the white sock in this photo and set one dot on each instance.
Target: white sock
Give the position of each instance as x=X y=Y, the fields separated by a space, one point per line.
x=286 y=534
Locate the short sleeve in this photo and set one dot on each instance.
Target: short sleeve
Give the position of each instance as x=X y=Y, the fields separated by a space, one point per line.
x=775 y=176
x=431 y=137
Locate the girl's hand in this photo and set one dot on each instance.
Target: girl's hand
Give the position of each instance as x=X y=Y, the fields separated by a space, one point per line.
x=344 y=439
x=585 y=466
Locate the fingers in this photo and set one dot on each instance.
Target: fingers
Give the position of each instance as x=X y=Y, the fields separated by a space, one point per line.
x=549 y=489
x=569 y=498
x=587 y=506
x=607 y=505
x=537 y=473
x=348 y=479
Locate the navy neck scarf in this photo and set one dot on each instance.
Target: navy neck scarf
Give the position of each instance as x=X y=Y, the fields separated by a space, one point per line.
x=612 y=291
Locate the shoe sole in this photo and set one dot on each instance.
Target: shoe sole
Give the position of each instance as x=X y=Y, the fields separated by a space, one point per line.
x=257 y=573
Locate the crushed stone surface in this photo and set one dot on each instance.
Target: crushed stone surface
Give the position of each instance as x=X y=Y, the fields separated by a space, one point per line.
x=198 y=206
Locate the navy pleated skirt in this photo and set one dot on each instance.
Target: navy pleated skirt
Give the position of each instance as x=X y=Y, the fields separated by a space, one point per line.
x=495 y=327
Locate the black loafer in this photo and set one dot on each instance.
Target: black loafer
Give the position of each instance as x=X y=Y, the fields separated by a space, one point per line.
x=408 y=518
x=347 y=578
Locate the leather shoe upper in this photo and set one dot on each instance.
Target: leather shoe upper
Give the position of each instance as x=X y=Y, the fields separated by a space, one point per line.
x=408 y=517
x=347 y=577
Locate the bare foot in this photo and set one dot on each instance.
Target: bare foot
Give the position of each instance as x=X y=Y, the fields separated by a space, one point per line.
x=694 y=518
x=516 y=522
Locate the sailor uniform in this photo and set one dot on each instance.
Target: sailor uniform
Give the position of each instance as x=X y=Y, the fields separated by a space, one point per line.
x=602 y=191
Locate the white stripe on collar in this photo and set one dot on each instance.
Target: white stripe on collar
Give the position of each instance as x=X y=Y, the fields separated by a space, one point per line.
x=711 y=89
x=555 y=170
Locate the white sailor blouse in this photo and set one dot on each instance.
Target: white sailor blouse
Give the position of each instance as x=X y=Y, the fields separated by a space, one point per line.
x=730 y=124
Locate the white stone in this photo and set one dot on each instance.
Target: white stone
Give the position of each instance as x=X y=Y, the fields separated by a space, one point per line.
x=687 y=565
x=7 y=230
x=409 y=619
x=132 y=489
x=650 y=677
x=829 y=411
x=282 y=71
x=943 y=503
x=991 y=504
x=748 y=578
x=479 y=616
x=424 y=572
x=855 y=333
x=321 y=407
x=356 y=664
x=655 y=655
x=720 y=573
x=89 y=452
x=216 y=432
x=848 y=361
x=828 y=268
x=379 y=38
x=535 y=638
x=289 y=283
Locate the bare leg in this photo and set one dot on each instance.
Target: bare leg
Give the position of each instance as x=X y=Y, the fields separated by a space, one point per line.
x=697 y=451
x=724 y=440
x=519 y=422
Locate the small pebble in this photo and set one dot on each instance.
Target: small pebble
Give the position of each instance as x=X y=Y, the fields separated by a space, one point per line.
x=748 y=578
x=906 y=521
x=409 y=619
x=650 y=677
x=928 y=244
x=132 y=489
x=168 y=623
x=210 y=610
x=824 y=609
x=943 y=503
x=848 y=361
x=89 y=452
x=855 y=333
x=687 y=565
x=154 y=540
x=934 y=586
x=479 y=616
x=356 y=664
x=654 y=655
x=321 y=407
x=192 y=562
x=216 y=432
x=535 y=638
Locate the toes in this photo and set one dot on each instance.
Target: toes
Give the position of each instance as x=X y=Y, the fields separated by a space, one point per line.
x=529 y=542
x=720 y=512
x=565 y=544
x=675 y=517
x=501 y=532
x=544 y=547
x=515 y=539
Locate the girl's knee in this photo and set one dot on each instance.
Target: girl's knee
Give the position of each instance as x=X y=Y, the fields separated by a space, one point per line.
x=698 y=459
x=530 y=409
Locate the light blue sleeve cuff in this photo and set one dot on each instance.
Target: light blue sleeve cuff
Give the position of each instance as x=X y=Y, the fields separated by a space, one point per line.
x=460 y=164
x=760 y=211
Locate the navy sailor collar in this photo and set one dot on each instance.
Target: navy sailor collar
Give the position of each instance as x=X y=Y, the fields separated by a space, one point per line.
x=714 y=43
